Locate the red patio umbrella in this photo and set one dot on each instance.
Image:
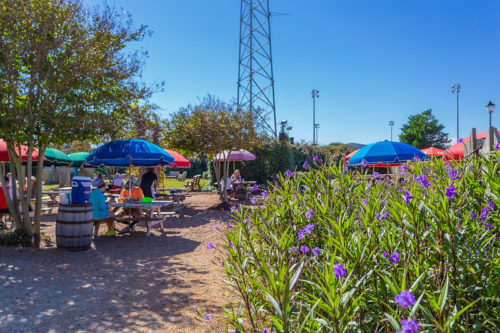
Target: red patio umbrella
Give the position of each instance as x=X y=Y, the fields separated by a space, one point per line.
x=4 y=154
x=348 y=156
x=433 y=151
x=456 y=152
x=179 y=160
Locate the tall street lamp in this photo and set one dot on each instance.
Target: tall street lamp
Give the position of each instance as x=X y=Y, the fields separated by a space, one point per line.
x=456 y=89
x=490 y=108
x=315 y=94
x=391 y=123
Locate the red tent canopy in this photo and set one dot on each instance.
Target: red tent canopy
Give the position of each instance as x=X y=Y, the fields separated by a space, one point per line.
x=4 y=154
x=348 y=156
x=179 y=160
x=433 y=151
x=456 y=151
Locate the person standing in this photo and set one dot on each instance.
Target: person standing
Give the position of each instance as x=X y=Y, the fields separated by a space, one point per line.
x=148 y=180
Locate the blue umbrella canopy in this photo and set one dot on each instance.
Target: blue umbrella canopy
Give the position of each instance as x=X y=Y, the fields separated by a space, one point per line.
x=123 y=153
x=387 y=152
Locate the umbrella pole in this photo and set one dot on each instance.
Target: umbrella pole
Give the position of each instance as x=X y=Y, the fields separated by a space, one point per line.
x=3 y=168
x=234 y=167
x=129 y=178
x=387 y=168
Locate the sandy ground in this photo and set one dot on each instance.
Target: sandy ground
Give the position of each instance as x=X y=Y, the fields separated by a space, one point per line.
x=130 y=283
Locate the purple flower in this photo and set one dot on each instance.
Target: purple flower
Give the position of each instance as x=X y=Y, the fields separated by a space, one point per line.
x=497 y=147
x=363 y=201
x=253 y=200
x=452 y=173
x=484 y=213
x=216 y=227
x=400 y=190
x=293 y=249
x=304 y=249
x=210 y=246
x=489 y=226
x=385 y=254
x=315 y=158
x=471 y=214
x=255 y=188
x=288 y=173
x=265 y=193
x=338 y=270
x=309 y=214
x=304 y=166
x=265 y=330
x=394 y=258
x=375 y=175
x=383 y=202
x=405 y=299
x=408 y=196
x=307 y=230
x=424 y=182
x=409 y=326
x=229 y=226
x=386 y=215
x=491 y=205
x=460 y=140
x=403 y=168
x=230 y=244
x=316 y=251
x=365 y=163
x=450 y=192
x=207 y=317
x=235 y=209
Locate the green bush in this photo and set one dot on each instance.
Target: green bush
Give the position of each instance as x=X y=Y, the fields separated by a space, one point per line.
x=327 y=252
x=12 y=237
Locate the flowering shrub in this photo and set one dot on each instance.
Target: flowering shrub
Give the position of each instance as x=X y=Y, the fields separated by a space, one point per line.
x=418 y=254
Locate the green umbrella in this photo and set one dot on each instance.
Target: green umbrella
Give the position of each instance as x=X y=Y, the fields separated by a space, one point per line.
x=55 y=157
x=77 y=158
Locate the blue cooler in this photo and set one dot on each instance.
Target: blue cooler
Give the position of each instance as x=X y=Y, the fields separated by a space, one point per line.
x=80 y=191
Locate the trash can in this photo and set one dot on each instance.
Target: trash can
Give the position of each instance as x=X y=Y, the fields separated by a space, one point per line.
x=80 y=192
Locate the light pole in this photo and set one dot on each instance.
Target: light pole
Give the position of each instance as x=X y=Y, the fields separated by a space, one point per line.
x=391 y=123
x=315 y=94
x=490 y=108
x=317 y=135
x=456 y=89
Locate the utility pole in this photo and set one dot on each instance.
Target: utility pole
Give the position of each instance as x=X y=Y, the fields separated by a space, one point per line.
x=391 y=124
x=314 y=94
x=456 y=89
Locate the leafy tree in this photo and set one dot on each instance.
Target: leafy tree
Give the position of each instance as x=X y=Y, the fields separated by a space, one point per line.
x=423 y=130
x=64 y=77
x=211 y=127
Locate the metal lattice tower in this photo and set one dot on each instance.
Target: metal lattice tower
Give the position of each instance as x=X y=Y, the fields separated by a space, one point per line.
x=255 y=72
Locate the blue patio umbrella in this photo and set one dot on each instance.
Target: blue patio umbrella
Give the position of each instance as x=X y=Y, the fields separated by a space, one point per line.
x=387 y=152
x=129 y=152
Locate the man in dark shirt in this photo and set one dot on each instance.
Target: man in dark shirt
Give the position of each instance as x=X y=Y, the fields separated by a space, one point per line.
x=147 y=181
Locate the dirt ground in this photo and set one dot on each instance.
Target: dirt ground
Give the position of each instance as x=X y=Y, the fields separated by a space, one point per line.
x=130 y=283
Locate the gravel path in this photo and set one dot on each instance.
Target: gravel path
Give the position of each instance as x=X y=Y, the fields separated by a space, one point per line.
x=131 y=283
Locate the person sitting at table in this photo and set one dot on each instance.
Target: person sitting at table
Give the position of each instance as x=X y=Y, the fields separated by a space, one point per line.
x=147 y=181
x=117 y=183
x=235 y=179
x=97 y=180
x=135 y=195
x=100 y=209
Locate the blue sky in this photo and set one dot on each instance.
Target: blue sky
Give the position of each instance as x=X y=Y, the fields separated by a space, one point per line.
x=372 y=61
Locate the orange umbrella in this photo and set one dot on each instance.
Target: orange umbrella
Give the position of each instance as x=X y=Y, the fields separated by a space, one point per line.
x=433 y=151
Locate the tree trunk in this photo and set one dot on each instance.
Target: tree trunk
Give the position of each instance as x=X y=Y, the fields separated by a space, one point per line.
x=38 y=197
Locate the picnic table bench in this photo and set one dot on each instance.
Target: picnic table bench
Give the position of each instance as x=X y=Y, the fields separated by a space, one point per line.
x=243 y=188
x=146 y=207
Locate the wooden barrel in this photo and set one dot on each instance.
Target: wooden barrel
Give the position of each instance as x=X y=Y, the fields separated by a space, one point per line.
x=74 y=227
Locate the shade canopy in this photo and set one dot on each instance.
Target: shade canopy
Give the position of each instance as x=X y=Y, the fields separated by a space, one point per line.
x=456 y=151
x=235 y=155
x=348 y=156
x=179 y=160
x=77 y=159
x=387 y=152
x=433 y=151
x=127 y=152
x=55 y=157
x=4 y=154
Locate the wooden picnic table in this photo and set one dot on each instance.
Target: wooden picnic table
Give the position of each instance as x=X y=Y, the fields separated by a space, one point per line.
x=147 y=208
x=52 y=194
x=172 y=190
x=246 y=187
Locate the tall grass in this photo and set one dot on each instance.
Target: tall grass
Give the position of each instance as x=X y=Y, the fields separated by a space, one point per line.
x=421 y=253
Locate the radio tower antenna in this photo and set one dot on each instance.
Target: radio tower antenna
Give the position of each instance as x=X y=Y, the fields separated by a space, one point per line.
x=255 y=71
